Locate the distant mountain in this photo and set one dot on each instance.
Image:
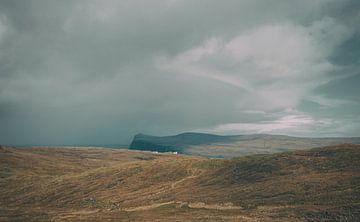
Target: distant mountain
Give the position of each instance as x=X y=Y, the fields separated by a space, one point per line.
x=210 y=145
x=177 y=143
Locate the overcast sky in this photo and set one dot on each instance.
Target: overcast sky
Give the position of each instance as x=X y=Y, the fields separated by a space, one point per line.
x=98 y=72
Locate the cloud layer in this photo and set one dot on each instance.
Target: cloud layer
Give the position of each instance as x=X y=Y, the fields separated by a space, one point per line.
x=78 y=72
x=276 y=66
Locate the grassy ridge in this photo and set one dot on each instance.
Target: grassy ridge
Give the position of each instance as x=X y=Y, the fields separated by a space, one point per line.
x=102 y=184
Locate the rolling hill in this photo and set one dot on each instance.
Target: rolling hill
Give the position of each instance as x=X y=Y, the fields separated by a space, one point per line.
x=83 y=184
x=210 y=145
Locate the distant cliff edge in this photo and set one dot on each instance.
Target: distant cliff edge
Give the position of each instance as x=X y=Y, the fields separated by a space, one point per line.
x=202 y=144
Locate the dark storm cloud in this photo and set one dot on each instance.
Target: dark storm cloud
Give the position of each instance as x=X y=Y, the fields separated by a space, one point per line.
x=100 y=71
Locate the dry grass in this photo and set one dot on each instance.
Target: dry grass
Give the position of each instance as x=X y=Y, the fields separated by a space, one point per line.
x=77 y=184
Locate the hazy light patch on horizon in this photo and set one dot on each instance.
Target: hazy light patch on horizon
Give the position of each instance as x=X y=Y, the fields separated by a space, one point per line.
x=275 y=126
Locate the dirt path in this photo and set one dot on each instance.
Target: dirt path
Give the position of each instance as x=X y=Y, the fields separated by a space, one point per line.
x=146 y=207
x=223 y=206
x=192 y=175
x=182 y=180
x=197 y=205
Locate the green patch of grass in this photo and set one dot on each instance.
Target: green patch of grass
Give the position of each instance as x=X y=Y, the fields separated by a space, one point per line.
x=169 y=206
x=144 y=158
x=209 y=164
x=5 y=172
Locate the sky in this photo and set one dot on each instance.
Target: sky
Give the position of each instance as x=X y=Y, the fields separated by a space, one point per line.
x=98 y=72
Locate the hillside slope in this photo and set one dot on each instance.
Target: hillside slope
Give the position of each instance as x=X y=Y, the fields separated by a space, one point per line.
x=209 y=145
x=43 y=184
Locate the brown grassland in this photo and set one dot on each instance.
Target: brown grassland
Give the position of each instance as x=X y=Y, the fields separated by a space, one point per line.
x=94 y=184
